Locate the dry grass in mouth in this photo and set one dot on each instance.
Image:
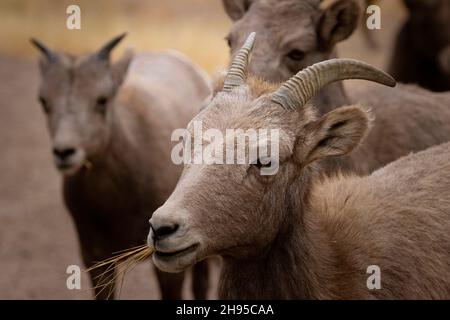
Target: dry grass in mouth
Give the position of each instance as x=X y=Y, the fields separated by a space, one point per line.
x=119 y=265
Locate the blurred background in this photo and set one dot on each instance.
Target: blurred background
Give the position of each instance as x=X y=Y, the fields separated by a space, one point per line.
x=37 y=238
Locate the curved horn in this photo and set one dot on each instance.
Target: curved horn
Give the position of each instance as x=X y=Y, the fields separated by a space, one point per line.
x=104 y=51
x=305 y=84
x=48 y=54
x=237 y=73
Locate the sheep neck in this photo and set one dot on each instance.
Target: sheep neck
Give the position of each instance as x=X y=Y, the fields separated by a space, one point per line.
x=291 y=267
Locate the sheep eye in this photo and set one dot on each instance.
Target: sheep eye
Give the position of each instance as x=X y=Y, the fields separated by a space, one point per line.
x=44 y=105
x=228 y=40
x=101 y=104
x=296 y=55
x=102 y=101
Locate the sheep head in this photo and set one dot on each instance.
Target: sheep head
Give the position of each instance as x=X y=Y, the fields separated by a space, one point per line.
x=234 y=209
x=76 y=95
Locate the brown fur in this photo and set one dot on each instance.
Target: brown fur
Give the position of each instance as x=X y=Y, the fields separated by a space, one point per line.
x=121 y=170
x=297 y=235
x=408 y=119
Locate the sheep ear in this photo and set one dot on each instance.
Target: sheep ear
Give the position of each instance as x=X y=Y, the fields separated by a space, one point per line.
x=236 y=8
x=338 y=22
x=104 y=52
x=336 y=133
x=47 y=55
x=120 y=67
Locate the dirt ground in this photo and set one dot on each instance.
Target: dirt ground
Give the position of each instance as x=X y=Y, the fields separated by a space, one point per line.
x=37 y=237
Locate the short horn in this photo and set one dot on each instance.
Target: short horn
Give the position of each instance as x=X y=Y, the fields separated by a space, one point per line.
x=105 y=51
x=304 y=85
x=237 y=73
x=48 y=54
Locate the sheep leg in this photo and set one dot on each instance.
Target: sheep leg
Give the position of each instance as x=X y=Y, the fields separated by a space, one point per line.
x=200 y=279
x=170 y=284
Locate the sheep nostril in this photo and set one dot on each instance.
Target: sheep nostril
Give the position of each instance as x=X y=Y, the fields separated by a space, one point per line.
x=63 y=153
x=164 y=231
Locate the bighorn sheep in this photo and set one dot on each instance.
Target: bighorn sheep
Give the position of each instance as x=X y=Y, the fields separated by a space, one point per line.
x=419 y=53
x=295 y=234
x=293 y=34
x=110 y=126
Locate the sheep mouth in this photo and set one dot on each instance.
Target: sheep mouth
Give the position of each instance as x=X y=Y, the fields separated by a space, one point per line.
x=68 y=169
x=177 y=253
x=65 y=166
